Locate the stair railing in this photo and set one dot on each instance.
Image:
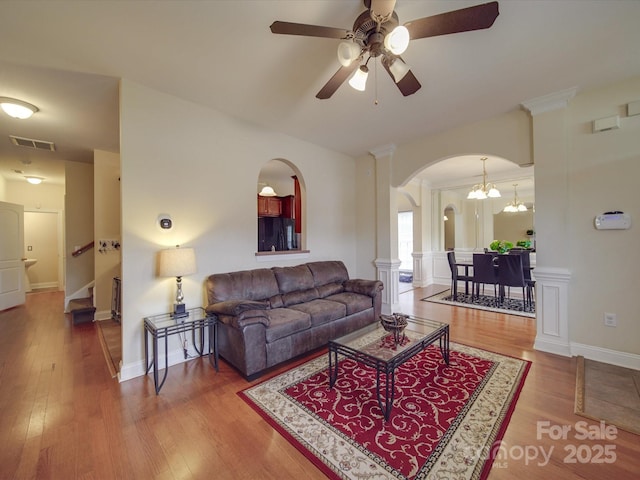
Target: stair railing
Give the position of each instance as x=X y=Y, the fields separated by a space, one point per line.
x=82 y=249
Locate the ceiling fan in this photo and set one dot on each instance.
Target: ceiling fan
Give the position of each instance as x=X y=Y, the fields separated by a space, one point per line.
x=377 y=33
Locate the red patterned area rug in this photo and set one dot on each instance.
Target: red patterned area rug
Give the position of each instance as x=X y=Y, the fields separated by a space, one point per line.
x=446 y=422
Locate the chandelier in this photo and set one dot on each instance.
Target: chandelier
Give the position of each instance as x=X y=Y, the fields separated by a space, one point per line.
x=483 y=190
x=516 y=205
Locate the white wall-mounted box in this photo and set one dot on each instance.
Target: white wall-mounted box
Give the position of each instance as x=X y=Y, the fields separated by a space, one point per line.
x=607 y=123
x=633 y=108
x=613 y=221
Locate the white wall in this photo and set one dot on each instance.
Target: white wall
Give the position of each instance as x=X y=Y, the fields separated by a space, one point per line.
x=200 y=167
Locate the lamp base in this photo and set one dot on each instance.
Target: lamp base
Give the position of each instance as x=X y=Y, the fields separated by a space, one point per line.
x=179 y=311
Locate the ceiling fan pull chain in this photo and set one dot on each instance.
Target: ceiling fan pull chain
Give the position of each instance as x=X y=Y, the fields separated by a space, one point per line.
x=375 y=81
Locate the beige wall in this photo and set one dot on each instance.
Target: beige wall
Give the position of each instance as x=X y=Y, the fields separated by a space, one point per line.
x=78 y=228
x=603 y=170
x=106 y=225
x=200 y=167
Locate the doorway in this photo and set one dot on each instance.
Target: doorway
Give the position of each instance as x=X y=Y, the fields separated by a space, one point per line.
x=43 y=243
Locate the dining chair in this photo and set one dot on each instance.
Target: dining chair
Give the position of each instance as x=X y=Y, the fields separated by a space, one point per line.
x=511 y=274
x=526 y=270
x=484 y=272
x=455 y=275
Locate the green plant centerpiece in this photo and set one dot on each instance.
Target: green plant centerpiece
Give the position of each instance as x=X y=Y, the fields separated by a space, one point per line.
x=523 y=243
x=500 y=246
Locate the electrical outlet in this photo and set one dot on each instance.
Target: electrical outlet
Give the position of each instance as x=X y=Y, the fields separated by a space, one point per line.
x=610 y=320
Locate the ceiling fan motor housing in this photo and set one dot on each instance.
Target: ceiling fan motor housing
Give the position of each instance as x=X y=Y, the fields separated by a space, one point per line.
x=367 y=34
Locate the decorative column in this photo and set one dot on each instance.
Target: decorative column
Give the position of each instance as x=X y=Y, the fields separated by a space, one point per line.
x=550 y=153
x=387 y=261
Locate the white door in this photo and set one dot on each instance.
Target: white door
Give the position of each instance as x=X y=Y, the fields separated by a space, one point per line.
x=11 y=249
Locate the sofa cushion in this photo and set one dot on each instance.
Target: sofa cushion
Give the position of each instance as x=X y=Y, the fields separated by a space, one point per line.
x=236 y=307
x=328 y=272
x=256 y=284
x=276 y=301
x=321 y=311
x=284 y=322
x=291 y=279
x=299 y=296
x=354 y=302
x=329 y=289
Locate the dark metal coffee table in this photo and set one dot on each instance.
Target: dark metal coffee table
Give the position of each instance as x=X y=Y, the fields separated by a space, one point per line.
x=374 y=346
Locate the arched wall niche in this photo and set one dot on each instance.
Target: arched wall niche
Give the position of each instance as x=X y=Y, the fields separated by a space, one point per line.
x=287 y=181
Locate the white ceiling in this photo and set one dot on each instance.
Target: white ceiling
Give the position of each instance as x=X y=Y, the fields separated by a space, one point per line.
x=66 y=58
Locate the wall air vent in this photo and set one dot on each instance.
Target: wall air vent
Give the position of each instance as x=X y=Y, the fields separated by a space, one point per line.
x=31 y=143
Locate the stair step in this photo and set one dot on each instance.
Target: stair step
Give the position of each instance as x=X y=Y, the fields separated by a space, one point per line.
x=82 y=310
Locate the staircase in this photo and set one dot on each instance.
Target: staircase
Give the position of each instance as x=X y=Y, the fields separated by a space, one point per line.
x=82 y=309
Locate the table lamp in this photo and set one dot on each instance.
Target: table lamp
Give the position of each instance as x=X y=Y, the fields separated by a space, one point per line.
x=177 y=262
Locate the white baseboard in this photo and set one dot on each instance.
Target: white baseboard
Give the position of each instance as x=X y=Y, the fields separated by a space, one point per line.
x=102 y=315
x=604 y=355
x=549 y=346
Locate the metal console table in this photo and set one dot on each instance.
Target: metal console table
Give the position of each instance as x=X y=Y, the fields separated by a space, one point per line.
x=164 y=325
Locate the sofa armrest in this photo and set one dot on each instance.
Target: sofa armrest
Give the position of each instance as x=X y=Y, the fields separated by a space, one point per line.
x=235 y=307
x=364 y=287
x=240 y=313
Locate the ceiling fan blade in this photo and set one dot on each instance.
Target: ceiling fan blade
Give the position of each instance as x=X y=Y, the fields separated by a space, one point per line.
x=334 y=82
x=408 y=85
x=288 y=28
x=456 y=21
x=382 y=8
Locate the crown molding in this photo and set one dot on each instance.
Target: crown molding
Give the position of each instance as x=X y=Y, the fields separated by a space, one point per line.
x=550 y=102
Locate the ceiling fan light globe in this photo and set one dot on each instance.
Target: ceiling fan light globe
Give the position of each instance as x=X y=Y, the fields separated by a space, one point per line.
x=398 y=69
x=397 y=40
x=359 y=79
x=348 y=52
x=522 y=208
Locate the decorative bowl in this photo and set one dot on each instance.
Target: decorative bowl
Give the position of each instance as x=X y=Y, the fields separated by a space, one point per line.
x=395 y=324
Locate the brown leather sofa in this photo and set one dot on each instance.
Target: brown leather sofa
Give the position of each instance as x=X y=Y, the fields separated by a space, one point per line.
x=270 y=315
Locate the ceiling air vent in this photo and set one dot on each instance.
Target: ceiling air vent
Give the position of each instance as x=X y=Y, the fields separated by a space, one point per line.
x=31 y=143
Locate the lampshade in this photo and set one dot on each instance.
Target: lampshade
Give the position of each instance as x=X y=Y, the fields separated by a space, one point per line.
x=348 y=52
x=267 y=191
x=359 y=79
x=398 y=69
x=17 y=108
x=177 y=262
x=34 y=180
x=398 y=40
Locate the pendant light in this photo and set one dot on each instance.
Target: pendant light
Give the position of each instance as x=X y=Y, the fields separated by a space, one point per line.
x=516 y=205
x=483 y=190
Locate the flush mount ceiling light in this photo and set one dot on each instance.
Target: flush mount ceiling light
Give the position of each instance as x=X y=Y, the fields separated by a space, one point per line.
x=267 y=191
x=516 y=205
x=17 y=108
x=483 y=190
x=34 y=180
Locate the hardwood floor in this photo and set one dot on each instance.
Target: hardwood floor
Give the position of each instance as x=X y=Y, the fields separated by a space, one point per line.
x=62 y=416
